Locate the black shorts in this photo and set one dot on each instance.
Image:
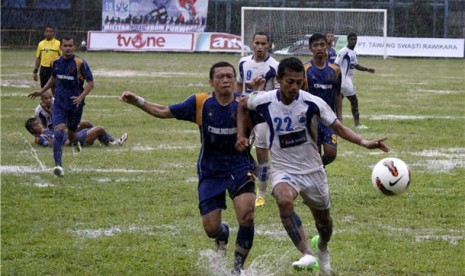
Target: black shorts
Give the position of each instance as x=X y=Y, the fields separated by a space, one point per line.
x=45 y=74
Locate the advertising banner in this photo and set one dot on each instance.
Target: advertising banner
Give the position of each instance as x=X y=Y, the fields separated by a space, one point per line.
x=142 y=42
x=154 y=15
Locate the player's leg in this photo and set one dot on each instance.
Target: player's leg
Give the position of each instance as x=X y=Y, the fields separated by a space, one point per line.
x=316 y=197
x=84 y=124
x=74 y=118
x=262 y=134
x=58 y=142
x=92 y=134
x=210 y=206
x=244 y=204
x=285 y=190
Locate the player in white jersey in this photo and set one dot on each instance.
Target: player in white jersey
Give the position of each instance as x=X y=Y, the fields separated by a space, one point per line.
x=259 y=66
x=296 y=167
x=347 y=60
x=43 y=111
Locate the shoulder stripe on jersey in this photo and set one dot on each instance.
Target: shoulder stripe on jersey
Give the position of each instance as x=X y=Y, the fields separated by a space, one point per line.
x=78 y=67
x=335 y=67
x=200 y=99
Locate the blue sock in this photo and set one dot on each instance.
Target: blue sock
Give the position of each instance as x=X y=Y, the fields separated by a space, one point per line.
x=58 y=143
x=106 y=138
x=244 y=239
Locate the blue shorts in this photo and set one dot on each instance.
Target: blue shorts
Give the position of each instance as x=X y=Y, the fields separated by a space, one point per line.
x=70 y=116
x=212 y=190
x=326 y=135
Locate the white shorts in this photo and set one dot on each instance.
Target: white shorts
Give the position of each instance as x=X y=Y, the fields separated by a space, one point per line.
x=347 y=87
x=261 y=135
x=313 y=187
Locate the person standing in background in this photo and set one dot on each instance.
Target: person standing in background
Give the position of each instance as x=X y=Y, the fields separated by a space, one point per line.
x=329 y=45
x=347 y=60
x=47 y=50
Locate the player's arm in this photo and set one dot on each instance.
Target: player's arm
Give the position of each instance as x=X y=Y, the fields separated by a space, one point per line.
x=242 y=142
x=154 y=109
x=339 y=98
x=347 y=134
x=363 y=68
x=239 y=86
x=36 y=68
x=78 y=99
x=50 y=83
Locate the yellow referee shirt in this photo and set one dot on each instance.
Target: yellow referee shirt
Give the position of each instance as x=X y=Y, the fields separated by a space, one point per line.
x=47 y=51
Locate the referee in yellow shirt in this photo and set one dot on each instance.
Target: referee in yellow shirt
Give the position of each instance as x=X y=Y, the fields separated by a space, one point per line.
x=47 y=50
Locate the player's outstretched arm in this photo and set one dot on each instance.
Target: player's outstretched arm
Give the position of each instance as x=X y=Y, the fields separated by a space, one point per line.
x=50 y=83
x=347 y=134
x=242 y=142
x=154 y=109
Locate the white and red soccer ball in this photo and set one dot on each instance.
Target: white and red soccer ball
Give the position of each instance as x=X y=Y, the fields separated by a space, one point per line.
x=391 y=176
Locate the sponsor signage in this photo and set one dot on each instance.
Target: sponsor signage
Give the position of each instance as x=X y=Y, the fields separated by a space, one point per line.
x=141 y=41
x=218 y=42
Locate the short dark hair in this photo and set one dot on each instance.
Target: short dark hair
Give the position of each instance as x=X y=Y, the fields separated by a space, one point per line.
x=67 y=38
x=291 y=63
x=315 y=37
x=221 y=64
x=261 y=33
x=352 y=34
x=28 y=125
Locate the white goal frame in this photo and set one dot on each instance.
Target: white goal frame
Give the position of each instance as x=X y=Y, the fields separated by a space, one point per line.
x=244 y=9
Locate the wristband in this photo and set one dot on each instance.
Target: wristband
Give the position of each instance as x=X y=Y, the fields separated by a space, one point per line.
x=35 y=71
x=140 y=101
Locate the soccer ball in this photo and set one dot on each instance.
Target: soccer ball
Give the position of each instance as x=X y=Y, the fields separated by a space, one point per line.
x=391 y=176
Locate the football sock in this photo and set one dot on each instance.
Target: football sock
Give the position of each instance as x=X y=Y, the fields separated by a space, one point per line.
x=292 y=224
x=106 y=138
x=58 y=143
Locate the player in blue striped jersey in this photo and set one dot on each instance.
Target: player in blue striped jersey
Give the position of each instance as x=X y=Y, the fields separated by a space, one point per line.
x=220 y=166
x=331 y=52
x=69 y=73
x=323 y=79
x=292 y=115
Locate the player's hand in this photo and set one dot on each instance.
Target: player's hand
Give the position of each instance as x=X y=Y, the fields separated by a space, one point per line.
x=242 y=143
x=34 y=76
x=34 y=95
x=258 y=83
x=371 y=70
x=128 y=97
x=77 y=100
x=376 y=144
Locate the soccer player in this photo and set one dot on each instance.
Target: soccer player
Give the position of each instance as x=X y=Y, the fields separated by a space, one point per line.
x=220 y=166
x=43 y=111
x=68 y=74
x=347 y=60
x=86 y=136
x=329 y=44
x=296 y=167
x=323 y=79
x=47 y=50
x=259 y=65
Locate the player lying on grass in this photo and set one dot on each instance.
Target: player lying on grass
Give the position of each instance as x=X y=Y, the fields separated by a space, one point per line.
x=296 y=166
x=86 y=136
x=220 y=166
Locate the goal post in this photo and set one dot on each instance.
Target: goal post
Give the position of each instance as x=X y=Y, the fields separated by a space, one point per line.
x=291 y=27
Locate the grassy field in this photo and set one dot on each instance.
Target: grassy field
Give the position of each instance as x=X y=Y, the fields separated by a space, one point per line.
x=132 y=210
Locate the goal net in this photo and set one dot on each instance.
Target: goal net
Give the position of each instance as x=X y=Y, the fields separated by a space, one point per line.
x=290 y=28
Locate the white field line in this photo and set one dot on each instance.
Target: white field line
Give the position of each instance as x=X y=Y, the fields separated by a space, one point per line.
x=33 y=152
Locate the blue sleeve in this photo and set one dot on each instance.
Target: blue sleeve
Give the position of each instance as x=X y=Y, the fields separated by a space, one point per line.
x=86 y=72
x=185 y=110
x=42 y=140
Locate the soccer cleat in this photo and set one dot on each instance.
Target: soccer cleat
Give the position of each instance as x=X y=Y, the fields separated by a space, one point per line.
x=220 y=245
x=361 y=127
x=77 y=146
x=259 y=201
x=58 y=171
x=314 y=242
x=307 y=262
x=120 y=141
